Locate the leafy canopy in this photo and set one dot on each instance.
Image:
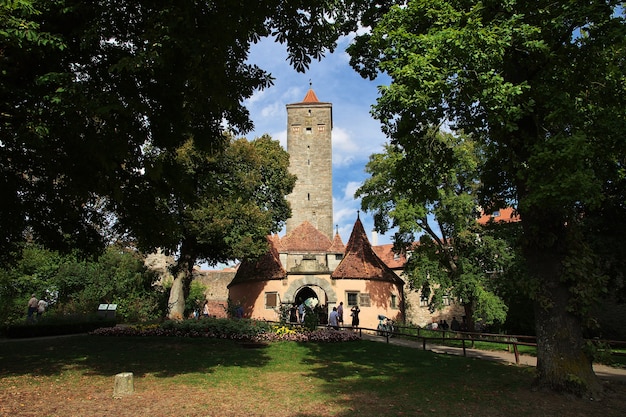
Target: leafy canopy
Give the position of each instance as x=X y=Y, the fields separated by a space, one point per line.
x=91 y=91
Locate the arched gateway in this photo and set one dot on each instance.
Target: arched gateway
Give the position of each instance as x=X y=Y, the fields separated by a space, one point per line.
x=300 y=286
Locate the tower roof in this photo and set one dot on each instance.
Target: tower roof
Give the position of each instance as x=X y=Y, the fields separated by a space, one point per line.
x=310 y=97
x=265 y=268
x=361 y=262
x=307 y=238
x=337 y=246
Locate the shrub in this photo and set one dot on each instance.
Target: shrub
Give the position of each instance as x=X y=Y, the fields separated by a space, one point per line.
x=244 y=330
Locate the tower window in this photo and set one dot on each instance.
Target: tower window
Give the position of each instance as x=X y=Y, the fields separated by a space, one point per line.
x=308 y=196
x=309 y=130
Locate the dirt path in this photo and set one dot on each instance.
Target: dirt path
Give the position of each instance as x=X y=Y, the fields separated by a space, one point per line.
x=603 y=371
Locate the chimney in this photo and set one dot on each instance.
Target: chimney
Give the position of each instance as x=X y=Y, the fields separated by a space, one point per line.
x=374 y=238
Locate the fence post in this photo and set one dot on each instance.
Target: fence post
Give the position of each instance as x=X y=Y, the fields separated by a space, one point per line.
x=424 y=343
x=516 y=353
x=463 y=343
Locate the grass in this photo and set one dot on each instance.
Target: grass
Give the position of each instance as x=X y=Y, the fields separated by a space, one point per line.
x=207 y=377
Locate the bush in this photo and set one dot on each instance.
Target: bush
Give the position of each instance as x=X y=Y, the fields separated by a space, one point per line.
x=244 y=330
x=57 y=326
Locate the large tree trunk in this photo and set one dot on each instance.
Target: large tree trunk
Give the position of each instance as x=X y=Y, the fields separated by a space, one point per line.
x=183 y=275
x=176 y=301
x=562 y=364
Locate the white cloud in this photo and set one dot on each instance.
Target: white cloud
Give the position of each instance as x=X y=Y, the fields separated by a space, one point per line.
x=351 y=188
x=356 y=135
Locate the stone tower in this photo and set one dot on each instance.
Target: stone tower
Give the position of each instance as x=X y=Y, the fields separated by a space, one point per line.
x=309 y=143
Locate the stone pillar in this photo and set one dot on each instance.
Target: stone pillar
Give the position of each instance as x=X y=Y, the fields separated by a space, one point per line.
x=123 y=384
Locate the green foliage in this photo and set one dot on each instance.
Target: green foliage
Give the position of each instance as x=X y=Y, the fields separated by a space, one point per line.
x=311 y=318
x=74 y=286
x=58 y=325
x=96 y=97
x=240 y=199
x=195 y=299
x=219 y=328
x=454 y=256
x=541 y=87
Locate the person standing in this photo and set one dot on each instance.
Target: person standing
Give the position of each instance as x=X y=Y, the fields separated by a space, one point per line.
x=205 y=309
x=32 y=307
x=340 y=314
x=41 y=307
x=293 y=313
x=333 y=319
x=455 y=326
x=301 y=312
x=355 y=316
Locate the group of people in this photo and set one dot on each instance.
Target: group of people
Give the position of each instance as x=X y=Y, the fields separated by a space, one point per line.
x=199 y=312
x=335 y=319
x=298 y=312
x=36 y=307
x=455 y=326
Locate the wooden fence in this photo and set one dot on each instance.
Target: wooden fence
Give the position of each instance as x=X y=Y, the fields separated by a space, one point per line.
x=468 y=339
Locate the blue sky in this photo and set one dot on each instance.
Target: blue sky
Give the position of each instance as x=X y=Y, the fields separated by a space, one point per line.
x=356 y=135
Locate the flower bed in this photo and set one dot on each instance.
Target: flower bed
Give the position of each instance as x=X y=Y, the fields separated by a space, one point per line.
x=243 y=330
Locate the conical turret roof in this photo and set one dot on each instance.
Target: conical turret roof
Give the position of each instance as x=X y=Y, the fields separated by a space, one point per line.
x=267 y=267
x=337 y=246
x=310 y=97
x=361 y=262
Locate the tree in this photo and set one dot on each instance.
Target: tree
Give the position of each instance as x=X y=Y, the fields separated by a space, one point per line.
x=541 y=85
x=86 y=88
x=454 y=256
x=77 y=286
x=239 y=198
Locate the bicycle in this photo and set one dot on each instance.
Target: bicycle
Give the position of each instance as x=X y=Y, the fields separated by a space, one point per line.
x=385 y=326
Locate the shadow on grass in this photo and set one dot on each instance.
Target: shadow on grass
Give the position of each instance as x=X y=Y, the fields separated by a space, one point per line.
x=94 y=355
x=361 y=378
x=372 y=379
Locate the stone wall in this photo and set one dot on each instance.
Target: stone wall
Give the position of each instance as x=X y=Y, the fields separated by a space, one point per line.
x=421 y=315
x=216 y=293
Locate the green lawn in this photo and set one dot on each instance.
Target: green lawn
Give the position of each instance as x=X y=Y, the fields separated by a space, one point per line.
x=222 y=377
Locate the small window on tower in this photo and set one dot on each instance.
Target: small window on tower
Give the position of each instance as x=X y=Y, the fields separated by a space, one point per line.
x=308 y=196
x=309 y=130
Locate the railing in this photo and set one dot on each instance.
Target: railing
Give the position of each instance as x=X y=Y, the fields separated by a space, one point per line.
x=512 y=341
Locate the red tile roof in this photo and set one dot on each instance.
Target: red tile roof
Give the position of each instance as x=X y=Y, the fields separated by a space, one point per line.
x=507 y=215
x=267 y=267
x=387 y=255
x=310 y=97
x=361 y=262
x=305 y=238
x=337 y=246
